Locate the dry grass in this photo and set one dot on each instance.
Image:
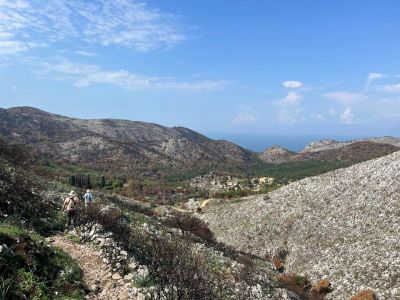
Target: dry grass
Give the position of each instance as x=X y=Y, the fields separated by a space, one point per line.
x=300 y=285
x=189 y=224
x=365 y=295
x=323 y=286
x=278 y=264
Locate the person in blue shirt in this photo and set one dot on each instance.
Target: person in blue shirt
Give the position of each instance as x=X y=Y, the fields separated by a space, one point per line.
x=88 y=197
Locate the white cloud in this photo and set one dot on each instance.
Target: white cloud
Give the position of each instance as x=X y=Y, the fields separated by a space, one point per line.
x=332 y=112
x=345 y=97
x=126 y=23
x=319 y=117
x=291 y=99
x=290 y=117
x=289 y=112
x=374 y=76
x=285 y=117
x=86 y=74
x=85 y=53
x=244 y=118
x=347 y=117
x=292 y=84
x=387 y=116
x=391 y=88
x=12 y=47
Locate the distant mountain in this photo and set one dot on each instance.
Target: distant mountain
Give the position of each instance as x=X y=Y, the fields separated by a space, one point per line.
x=343 y=226
x=324 y=145
x=114 y=144
x=276 y=155
x=331 y=150
x=134 y=147
x=351 y=151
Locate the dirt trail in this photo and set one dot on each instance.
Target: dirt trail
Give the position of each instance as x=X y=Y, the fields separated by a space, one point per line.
x=97 y=275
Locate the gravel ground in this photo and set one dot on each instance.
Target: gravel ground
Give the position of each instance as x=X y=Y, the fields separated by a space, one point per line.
x=343 y=226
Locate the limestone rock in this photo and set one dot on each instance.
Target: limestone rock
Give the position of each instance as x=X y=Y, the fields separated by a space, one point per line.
x=140 y=296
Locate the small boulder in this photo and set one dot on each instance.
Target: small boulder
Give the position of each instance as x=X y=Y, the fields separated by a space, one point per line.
x=124 y=295
x=128 y=277
x=116 y=276
x=140 y=296
x=191 y=204
x=132 y=265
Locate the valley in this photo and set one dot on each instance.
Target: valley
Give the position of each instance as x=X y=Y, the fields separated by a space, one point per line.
x=317 y=224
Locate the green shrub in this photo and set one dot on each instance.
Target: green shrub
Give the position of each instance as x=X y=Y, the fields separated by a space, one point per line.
x=145 y=282
x=30 y=268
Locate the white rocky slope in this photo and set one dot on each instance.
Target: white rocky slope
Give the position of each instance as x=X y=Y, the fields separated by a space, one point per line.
x=332 y=144
x=343 y=226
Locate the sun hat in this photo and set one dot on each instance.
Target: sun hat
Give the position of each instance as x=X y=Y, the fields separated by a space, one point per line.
x=87 y=191
x=72 y=194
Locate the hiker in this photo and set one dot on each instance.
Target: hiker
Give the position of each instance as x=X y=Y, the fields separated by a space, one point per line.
x=70 y=205
x=88 y=197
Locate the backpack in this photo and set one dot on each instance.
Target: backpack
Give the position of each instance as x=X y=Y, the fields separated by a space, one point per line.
x=71 y=203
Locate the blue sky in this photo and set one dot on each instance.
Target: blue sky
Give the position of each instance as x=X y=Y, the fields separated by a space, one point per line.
x=243 y=70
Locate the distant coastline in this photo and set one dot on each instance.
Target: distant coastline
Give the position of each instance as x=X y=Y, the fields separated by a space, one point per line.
x=259 y=143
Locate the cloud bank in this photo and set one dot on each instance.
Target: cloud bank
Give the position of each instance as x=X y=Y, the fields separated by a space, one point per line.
x=28 y=24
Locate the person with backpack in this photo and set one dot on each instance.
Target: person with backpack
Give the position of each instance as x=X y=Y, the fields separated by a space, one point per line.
x=70 y=206
x=88 y=197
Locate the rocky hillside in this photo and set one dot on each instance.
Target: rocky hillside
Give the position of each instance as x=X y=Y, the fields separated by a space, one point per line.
x=330 y=150
x=276 y=155
x=332 y=144
x=343 y=226
x=114 y=144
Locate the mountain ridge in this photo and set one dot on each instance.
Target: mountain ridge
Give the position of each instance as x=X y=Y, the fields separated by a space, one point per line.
x=111 y=143
x=137 y=146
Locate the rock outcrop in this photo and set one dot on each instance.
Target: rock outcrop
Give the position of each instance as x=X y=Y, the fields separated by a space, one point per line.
x=343 y=226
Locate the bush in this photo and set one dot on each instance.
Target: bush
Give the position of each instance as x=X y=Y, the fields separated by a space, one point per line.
x=29 y=269
x=323 y=286
x=110 y=218
x=298 y=284
x=302 y=287
x=189 y=224
x=180 y=270
x=278 y=264
x=365 y=295
x=146 y=281
x=19 y=197
x=16 y=154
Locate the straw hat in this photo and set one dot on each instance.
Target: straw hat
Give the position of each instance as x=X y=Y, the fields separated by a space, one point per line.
x=72 y=194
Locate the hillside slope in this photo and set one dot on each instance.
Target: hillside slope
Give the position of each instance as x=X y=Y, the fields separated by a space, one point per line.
x=330 y=151
x=275 y=155
x=323 y=145
x=114 y=144
x=343 y=225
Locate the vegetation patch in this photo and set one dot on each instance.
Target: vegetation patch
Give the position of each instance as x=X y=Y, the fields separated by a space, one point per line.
x=30 y=268
x=365 y=295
